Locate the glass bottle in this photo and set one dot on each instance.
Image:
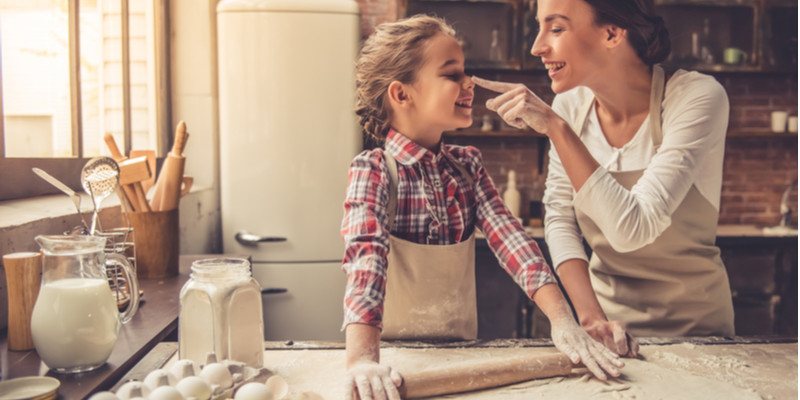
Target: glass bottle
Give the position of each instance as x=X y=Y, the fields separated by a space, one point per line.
x=221 y=312
x=705 y=44
x=495 y=54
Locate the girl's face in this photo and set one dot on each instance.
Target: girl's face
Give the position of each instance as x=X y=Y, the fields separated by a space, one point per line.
x=442 y=95
x=570 y=44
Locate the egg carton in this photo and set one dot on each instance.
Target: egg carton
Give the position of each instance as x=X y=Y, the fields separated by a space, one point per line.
x=241 y=374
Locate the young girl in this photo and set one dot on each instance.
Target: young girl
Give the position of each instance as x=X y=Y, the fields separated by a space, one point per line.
x=412 y=208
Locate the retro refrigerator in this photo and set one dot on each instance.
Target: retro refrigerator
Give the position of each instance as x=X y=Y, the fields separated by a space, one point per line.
x=288 y=133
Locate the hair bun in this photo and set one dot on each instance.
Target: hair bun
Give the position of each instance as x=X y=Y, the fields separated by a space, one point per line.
x=658 y=45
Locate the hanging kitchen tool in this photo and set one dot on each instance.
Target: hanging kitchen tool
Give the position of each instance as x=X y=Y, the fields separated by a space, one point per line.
x=76 y=198
x=100 y=178
x=167 y=194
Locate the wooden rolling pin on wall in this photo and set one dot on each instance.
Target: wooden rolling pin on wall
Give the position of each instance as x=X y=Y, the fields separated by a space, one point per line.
x=471 y=376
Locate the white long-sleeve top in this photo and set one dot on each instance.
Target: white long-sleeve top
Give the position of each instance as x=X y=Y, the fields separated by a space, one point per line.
x=694 y=122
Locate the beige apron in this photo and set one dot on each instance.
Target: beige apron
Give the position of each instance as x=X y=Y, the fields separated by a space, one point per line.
x=430 y=289
x=675 y=286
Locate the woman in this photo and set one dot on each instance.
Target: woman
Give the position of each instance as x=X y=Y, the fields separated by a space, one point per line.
x=635 y=168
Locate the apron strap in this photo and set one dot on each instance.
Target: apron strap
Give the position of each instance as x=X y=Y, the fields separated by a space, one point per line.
x=656 y=97
x=393 y=181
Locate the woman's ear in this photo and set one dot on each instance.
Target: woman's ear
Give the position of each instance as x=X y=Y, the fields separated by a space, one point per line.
x=398 y=96
x=614 y=35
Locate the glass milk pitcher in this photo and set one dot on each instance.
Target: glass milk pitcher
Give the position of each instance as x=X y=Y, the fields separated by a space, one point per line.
x=221 y=312
x=75 y=320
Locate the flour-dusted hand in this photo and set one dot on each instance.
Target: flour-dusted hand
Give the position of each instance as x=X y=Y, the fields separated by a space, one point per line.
x=518 y=105
x=373 y=381
x=614 y=336
x=573 y=341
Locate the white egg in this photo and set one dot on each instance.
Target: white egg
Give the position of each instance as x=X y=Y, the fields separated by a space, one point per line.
x=193 y=386
x=253 y=391
x=160 y=377
x=217 y=374
x=183 y=368
x=133 y=389
x=165 y=393
x=104 y=396
x=278 y=386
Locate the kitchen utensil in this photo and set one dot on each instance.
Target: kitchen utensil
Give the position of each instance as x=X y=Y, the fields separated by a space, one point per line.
x=481 y=375
x=132 y=172
x=76 y=198
x=100 y=178
x=168 y=186
x=23 y=277
x=79 y=334
x=129 y=190
x=30 y=387
x=151 y=161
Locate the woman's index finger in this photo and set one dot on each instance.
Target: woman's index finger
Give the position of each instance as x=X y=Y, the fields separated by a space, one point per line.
x=500 y=87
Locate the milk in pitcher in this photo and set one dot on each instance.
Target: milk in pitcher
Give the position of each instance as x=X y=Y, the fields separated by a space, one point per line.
x=77 y=323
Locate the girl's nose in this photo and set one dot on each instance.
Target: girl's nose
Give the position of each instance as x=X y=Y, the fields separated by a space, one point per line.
x=468 y=83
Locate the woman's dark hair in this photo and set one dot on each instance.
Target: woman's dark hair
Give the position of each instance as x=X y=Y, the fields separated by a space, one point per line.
x=646 y=31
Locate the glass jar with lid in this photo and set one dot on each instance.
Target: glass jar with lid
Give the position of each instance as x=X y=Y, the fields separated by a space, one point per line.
x=221 y=312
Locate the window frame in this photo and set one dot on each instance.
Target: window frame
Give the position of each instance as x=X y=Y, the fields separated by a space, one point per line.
x=17 y=180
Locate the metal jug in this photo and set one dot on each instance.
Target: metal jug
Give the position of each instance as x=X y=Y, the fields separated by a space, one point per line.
x=75 y=321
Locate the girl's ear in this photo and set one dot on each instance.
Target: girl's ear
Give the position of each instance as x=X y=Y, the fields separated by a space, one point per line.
x=614 y=35
x=398 y=96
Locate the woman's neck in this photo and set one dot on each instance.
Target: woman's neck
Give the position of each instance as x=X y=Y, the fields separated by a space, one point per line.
x=624 y=92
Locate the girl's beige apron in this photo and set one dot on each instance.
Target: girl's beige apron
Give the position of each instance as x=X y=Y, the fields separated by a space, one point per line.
x=675 y=286
x=430 y=289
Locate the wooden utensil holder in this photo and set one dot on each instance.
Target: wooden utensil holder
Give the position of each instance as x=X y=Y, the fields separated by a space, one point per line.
x=157 y=241
x=24 y=277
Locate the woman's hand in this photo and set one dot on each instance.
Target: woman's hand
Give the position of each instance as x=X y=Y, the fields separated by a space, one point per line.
x=373 y=382
x=518 y=105
x=573 y=341
x=614 y=336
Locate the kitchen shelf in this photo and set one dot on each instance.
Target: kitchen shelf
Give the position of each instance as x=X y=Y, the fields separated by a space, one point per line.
x=758 y=27
x=496 y=133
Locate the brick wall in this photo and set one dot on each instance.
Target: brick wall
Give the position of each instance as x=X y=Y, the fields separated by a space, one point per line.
x=758 y=166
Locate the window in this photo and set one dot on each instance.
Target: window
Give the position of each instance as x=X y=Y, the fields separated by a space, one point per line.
x=72 y=71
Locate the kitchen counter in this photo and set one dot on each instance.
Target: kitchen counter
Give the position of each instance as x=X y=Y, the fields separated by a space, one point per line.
x=724 y=232
x=156 y=320
x=749 y=367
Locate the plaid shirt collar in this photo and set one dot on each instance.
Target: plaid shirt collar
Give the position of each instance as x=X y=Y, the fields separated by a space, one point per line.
x=407 y=152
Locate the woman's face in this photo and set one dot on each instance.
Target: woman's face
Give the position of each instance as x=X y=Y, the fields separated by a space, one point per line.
x=570 y=44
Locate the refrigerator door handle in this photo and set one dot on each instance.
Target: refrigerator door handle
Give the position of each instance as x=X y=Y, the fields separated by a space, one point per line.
x=248 y=239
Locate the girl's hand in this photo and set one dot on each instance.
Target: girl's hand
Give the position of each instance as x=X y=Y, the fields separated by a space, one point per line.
x=573 y=341
x=518 y=106
x=373 y=382
x=614 y=336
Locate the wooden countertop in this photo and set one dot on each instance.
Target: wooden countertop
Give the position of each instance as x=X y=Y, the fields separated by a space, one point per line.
x=763 y=365
x=156 y=319
x=724 y=233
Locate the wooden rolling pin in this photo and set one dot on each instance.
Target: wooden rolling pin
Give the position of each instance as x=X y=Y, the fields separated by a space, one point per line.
x=478 y=375
x=167 y=192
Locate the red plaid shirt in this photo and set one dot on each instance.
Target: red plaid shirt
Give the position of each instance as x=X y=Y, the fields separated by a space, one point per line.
x=436 y=206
